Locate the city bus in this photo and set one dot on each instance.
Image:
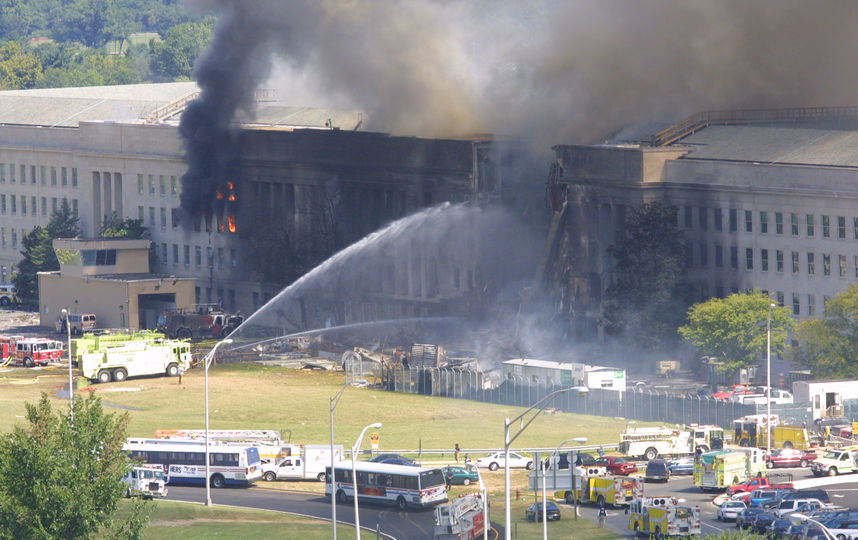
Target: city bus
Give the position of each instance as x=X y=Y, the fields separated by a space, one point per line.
x=402 y=485
x=184 y=462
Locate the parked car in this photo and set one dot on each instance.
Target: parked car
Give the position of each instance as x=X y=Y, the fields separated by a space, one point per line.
x=657 y=470
x=460 y=475
x=762 y=521
x=792 y=505
x=810 y=493
x=730 y=510
x=496 y=461
x=683 y=465
x=745 y=519
x=779 y=528
x=534 y=512
x=394 y=459
x=790 y=457
x=617 y=465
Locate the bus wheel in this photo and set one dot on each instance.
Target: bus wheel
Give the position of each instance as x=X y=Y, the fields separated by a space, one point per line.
x=341 y=497
x=120 y=374
x=28 y=362
x=172 y=370
x=218 y=481
x=400 y=502
x=650 y=454
x=104 y=376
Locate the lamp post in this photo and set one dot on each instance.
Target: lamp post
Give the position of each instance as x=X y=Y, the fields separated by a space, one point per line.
x=207 y=360
x=507 y=440
x=797 y=518
x=769 y=380
x=65 y=312
x=334 y=401
x=355 y=450
x=485 y=495
x=579 y=440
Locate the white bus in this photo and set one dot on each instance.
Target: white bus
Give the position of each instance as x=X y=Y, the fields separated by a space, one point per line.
x=184 y=462
x=400 y=484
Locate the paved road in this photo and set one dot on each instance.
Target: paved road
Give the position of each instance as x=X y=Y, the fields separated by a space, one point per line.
x=391 y=522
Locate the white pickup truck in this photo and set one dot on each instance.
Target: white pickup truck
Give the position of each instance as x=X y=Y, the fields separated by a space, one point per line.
x=309 y=465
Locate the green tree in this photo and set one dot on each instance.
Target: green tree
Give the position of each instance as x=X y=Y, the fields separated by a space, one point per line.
x=61 y=476
x=38 y=250
x=733 y=329
x=18 y=69
x=829 y=346
x=174 y=57
x=650 y=294
x=116 y=227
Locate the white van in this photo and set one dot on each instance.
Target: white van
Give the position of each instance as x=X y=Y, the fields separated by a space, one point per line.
x=79 y=322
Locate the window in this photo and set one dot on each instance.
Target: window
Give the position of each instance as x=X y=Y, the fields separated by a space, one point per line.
x=749 y=259
x=703 y=217
x=53 y=204
x=220 y=258
x=176 y=254
x=719 y=256
x=689 y=255
x=43 y=174
x=209 y=257
x=141 y=213
x=187 y=252
x=44 y=206
x=74 y=207
x=764 y=260
x=764 y=222
x=793 y=218
x=163 y=218
x=24 y=205
x=704 y=254
x=33 y=178
x=233 y=261
x=12 y=199
x=53 y=176
x=3 y=178
x=152 y=216
x=749 y=221
x=687 y=217
x=198 y=256
x=11 y=173
x=3 y=204
x=796 y=306
x=98 y=257
x=34 y=207
x=841 y=227
x=841 y=265
x=826 y=264
x=734 y=257
x=780 y=298
x=810 y=230
x=779 y=261
x=139 y=184
x=718 y=224
x=151 y=184
x=811 y=267
x=162 y=185
x=64 y=176
x=14 y=238
x=173 y=187
x=163 y=253
x=74 y=177
x=23 y=174
x=811 y=305
x=733 y=219
x=826 y=227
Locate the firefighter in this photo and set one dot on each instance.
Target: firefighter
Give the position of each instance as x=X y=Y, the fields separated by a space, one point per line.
x=603 y=516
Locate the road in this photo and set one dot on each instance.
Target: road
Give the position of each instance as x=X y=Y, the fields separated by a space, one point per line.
x=843 y=491
x=390 y=521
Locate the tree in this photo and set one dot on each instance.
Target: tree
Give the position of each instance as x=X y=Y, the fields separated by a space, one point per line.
x=38 y=249
x=829 y=346
x=18 y=69
x=115 y=227
x=733 y=329
x=174 y=57
x=61 y=477
x=646 y=302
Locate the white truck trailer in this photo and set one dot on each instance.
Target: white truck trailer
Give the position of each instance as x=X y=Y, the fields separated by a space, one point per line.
x=309 y=465
x=135 y=359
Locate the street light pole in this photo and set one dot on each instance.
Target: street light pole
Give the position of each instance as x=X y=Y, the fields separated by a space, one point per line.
x=207 y=360
x=485 y=493
x=334 y=401
x=508 y=440
x=797 y=518
x=71 y=378
x=579 y=440
x=355 y=450
x=769 y=380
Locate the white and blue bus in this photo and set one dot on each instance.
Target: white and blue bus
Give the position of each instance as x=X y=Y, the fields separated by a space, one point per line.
x=184 y=462
x=402 y=485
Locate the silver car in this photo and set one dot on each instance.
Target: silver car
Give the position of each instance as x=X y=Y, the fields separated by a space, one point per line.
x=730 y=510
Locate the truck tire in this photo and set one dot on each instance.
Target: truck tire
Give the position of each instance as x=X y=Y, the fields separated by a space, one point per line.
x=119 y=374
x=104 y=376
x=637 y=528
x=28 y=362
x=769 y=465
x=788 y=444
x=833 y=471
x=745 y=442
x=341 y=497
x=218 y=481
x=400 y=502
x=270 y=476
x=172 y=369
x=225 y=331
x=803 y=463
x=183 y=333
x=651 y=453
x=321 y=477
x=4 y=301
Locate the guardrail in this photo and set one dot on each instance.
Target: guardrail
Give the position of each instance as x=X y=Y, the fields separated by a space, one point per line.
x=478 y=452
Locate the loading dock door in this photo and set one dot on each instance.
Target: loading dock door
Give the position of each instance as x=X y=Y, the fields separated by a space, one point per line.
x=150 y=305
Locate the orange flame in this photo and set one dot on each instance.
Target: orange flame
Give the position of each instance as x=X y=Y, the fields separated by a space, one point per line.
x=218 y=195
x=231 y=222
x=220 y=226
x=230 y=185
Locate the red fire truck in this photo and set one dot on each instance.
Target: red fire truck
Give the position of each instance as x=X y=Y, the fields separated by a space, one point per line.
x=201 y=322
x=29 y=352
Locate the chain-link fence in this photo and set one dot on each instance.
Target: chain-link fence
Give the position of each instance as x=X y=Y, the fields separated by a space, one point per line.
x=647 y=405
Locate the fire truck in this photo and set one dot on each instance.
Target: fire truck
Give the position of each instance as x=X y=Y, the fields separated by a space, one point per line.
x=29 y=352
x=460 y=518
x=663 y=517
x=147 y=481
x=602 y=489
x=201 y=322
x=136 y=358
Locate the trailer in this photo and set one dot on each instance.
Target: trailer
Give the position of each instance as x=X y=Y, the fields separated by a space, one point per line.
x=136 y=359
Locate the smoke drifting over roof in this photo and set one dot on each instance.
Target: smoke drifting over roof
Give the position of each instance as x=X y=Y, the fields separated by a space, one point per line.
x=559 y=71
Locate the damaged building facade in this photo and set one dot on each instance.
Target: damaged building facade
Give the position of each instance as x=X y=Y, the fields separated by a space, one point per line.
x=314 y=179
x=766 y=199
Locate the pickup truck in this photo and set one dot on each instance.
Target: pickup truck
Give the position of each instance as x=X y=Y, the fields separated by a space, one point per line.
x=759 y=482
x=834 y=462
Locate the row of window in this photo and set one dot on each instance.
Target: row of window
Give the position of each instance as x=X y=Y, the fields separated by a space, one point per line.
x=147 y=185
x=185 y=257
x=38 y=174
x=228 y=302
x=15 y=204
x=764 y=261
x=830 y=227
x=808 y=309
x=186 y=458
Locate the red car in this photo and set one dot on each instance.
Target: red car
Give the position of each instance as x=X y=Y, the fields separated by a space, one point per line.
x=790 y=457
x=617 y=465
